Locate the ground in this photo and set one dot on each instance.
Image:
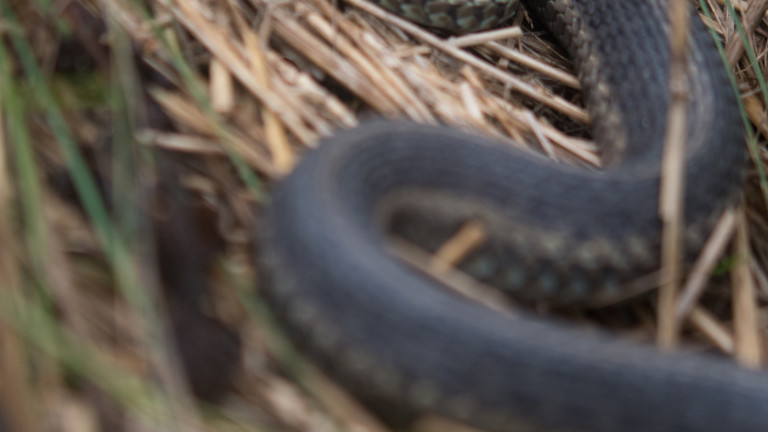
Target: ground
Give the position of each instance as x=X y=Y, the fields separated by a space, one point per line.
x=140 y=141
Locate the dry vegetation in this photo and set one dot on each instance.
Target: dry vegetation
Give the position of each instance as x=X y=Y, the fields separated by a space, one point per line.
x=139 y=142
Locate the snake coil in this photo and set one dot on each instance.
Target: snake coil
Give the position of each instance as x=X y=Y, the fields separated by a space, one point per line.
x=558 y=234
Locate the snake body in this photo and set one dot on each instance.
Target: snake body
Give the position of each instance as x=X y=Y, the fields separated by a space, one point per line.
x=556 y=234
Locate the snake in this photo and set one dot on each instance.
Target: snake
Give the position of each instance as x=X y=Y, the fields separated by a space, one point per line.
x=555 y=234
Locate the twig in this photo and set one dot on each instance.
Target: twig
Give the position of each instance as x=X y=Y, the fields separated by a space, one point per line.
x=746 y=327
x=672 y=177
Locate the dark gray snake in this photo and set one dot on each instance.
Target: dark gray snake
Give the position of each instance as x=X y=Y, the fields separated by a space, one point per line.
x=558 y=234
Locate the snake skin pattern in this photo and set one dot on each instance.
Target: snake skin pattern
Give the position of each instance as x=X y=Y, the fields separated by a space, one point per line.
x=558 y=234
x=457 y=16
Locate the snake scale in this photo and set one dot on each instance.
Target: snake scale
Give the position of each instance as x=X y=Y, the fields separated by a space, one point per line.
x=557 y=234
